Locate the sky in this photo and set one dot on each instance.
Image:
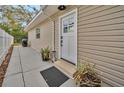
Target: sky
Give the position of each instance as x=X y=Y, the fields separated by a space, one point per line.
x=28 y=8
x=36 y=6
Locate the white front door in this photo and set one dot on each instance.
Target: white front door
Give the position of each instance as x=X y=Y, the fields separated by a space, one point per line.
x=68 y=37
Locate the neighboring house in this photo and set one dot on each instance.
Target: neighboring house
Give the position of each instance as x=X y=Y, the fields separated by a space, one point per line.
x=93 y=34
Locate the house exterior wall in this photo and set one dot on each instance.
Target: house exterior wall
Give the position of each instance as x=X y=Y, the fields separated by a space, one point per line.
x=46 y=36
x=100 y=40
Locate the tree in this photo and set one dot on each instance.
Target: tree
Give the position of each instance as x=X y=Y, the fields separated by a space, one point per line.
x=14 y=18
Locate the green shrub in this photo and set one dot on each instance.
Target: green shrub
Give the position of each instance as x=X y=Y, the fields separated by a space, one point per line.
x=45 y=52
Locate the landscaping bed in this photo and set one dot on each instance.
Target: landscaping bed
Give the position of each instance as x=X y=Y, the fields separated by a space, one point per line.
x=4 y=65
x=86 y=76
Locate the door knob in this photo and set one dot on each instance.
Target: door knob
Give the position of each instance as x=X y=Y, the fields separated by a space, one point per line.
x=61 y=37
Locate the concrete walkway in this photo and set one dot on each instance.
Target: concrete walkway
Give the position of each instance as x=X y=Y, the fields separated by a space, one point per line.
x=24 y=69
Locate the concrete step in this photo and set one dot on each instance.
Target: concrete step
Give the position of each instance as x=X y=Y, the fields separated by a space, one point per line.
x=66 y=67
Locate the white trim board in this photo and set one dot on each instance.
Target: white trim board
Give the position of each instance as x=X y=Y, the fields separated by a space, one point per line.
x=59 y=54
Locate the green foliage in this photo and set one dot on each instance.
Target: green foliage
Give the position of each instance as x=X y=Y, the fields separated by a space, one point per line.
x=87 y=68
x=5 y=27
x=18 y=14
x=45 y=52
x=14 y=18
x=87 y=76
x=16 y=32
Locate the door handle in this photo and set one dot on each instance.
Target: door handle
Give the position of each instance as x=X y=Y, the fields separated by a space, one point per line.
x=61 y=45
x=61 y=37
x=61 y=40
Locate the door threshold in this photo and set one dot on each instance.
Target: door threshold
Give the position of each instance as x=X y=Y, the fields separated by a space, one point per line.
x=66 y=67
x=68 y=61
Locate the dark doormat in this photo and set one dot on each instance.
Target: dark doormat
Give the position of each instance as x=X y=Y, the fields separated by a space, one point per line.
x=54 y=77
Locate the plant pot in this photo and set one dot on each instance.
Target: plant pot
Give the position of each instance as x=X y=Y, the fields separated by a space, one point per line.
x=86 y=76
x=45 y=57
x=90 y=85
x=84 y=84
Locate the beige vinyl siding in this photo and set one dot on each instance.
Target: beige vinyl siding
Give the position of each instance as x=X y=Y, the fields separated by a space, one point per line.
x=101 y=41
x=46 y=36
x=57 y=37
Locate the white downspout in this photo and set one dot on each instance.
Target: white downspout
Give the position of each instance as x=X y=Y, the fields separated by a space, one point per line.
x=53 y=22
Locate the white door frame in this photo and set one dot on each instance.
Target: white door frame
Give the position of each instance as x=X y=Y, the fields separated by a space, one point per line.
x=73 y=11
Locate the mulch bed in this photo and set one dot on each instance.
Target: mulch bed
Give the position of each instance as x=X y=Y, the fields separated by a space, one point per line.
x=4 y=65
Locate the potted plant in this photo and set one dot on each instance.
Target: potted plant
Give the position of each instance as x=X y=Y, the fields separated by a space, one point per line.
x=45 y=52
x=86 y=76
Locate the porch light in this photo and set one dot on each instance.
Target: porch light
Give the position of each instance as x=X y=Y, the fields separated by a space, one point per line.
x=61 y=7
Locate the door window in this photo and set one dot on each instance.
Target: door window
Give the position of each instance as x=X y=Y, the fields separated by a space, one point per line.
x=68 y=24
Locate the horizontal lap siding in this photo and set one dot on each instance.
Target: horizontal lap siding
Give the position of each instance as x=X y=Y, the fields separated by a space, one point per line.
x=101 y=41
x=46 y=38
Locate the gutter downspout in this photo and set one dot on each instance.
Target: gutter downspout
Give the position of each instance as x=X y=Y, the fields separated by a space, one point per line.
x=54 y=34
x=52 y=20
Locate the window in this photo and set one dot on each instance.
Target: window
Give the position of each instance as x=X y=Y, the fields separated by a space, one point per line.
x=37 y=33
x=68 y=23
